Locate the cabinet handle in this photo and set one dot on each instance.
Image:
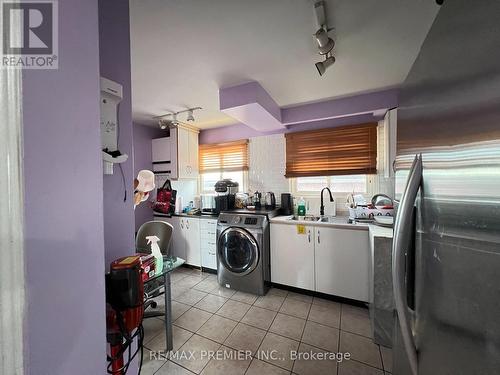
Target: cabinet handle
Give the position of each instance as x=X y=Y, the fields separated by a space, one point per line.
x=318 y=238
x=182 y=224
x=187 y=224
x=309 y=235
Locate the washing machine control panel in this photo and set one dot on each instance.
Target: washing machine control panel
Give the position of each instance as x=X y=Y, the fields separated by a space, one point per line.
x=251 y=221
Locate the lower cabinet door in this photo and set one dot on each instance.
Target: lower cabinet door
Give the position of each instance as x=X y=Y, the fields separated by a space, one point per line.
x=192 y=240
x=342 y=262
x=292 y=255
x=178 y=245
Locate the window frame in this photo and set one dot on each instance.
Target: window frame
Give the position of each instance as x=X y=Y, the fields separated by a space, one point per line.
x=371 y=183
x=240 y=188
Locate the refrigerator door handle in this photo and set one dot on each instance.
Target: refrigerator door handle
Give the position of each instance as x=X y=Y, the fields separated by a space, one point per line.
x=401 y=232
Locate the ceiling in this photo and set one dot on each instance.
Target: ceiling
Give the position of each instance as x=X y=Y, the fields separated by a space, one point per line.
x=182 y=51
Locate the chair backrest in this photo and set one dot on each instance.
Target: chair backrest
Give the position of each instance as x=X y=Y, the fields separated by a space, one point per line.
x=160 y=229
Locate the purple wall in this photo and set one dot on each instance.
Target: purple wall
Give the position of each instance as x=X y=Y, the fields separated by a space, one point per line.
x=241 y=131
x=114 y=39
x=64 y=244
x=143 y=160
x=356 y=109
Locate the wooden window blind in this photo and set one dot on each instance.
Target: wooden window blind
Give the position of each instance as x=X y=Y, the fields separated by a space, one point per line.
x=224 y=157
x=334 y=151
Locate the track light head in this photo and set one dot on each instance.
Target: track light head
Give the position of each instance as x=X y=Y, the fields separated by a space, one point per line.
x=175 y=122
x=190 y=116
x=325 y=43
x=322 y=66
x=163 y=124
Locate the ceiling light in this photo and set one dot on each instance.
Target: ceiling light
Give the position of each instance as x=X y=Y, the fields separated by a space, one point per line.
x=322 y=66
x=190 y=116
x=325 y=43
x=175 y=122
x=163 y=124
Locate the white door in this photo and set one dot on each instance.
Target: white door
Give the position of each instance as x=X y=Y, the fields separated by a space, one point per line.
x=292 y=255
x=161 y=149
x=193 y=154
x=178 y=244
x=192 y=241
x=342 y=262
x=183 y=152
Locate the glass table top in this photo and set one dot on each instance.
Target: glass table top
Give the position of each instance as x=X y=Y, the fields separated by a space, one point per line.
x=170 y=263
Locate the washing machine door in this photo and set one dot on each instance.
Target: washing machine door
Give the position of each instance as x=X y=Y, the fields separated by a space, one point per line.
x=238 y=251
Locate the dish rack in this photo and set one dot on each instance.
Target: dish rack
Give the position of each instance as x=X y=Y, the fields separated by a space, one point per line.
x=366 y=213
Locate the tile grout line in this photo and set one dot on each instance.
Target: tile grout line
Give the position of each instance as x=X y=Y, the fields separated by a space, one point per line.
x=340 y=333
x=272 y=322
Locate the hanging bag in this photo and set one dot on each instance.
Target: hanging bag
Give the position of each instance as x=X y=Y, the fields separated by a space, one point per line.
x=164 y=197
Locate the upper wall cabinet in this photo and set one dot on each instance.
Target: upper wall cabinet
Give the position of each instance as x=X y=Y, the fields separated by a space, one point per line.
x=176 y=155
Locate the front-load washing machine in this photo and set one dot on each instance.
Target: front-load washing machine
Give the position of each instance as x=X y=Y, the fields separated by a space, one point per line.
x=243 y=252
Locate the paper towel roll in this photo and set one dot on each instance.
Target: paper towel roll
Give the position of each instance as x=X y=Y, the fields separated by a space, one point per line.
x=178 y=205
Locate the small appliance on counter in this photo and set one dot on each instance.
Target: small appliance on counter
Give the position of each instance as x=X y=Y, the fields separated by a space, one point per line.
x=241 y=200
x=257 y=196
x=226 y=195
x=270 y=200
x=286 y=204
x=208 y=204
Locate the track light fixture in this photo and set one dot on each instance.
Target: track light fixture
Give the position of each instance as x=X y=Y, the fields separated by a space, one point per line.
x=322 y=66
x=190 y=116
x=171 y=120
x=325 y=43
x=163 y=124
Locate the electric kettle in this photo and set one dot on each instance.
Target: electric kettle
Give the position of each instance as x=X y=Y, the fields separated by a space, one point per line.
x=270 y=200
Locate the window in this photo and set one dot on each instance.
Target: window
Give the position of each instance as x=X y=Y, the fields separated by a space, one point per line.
x=208 y=180
x=346 y=150
x=337 y=184
x=223 y=160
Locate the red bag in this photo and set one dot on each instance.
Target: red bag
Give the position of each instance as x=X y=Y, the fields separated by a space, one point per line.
x=164 y=197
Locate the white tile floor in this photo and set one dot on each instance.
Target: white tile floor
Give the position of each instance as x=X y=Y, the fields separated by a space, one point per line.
x=209 y=317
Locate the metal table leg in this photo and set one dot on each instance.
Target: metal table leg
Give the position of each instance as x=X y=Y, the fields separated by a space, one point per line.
x=168 y=313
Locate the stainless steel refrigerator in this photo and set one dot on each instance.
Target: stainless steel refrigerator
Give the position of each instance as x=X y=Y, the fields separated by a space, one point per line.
x=446 y=249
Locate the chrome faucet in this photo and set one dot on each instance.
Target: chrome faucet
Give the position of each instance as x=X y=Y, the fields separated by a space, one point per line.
x=322 y=207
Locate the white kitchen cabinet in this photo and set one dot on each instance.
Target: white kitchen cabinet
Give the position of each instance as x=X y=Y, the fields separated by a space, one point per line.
x=187 y=152
x=185 y=242
x=193 y=153
x=208 y=246
x=164 y=154
x=292 y=255
x=191 y=227
x=177 y=155
x=342 y=262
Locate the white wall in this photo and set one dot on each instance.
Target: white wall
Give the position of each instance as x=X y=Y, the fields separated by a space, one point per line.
x=267 y=169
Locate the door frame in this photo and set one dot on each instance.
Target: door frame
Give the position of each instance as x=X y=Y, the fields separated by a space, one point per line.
x=12 y=268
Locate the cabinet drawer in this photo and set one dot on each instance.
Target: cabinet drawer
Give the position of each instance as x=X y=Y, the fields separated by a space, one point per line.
x=212 y=245
x=208 y=234
x=208 y=224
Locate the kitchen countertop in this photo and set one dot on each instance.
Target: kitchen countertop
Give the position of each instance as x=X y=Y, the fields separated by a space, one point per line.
x=378 y=231
x=336 y=222
x=213 y=217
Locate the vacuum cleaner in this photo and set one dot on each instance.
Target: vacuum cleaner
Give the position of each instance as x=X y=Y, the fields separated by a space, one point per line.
x=125 y=310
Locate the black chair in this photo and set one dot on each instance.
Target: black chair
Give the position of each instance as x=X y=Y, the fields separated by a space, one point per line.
x=163 y=231
x=160 y=229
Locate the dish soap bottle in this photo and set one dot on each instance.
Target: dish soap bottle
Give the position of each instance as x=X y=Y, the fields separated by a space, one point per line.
x=155 y=250
x=301 y=207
